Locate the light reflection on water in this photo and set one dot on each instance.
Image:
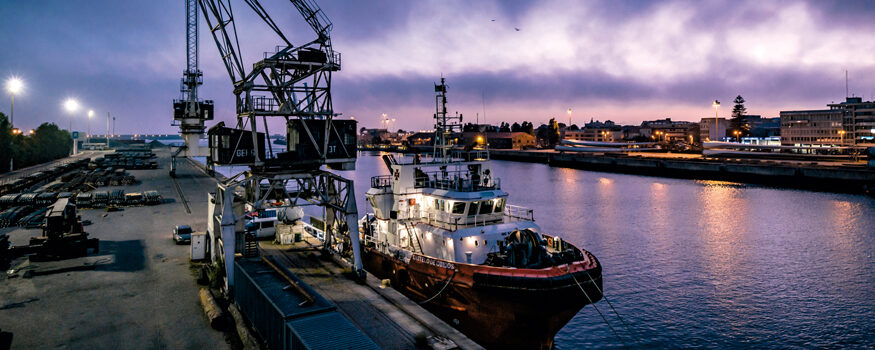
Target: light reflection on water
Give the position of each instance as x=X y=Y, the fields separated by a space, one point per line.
x=703 y=263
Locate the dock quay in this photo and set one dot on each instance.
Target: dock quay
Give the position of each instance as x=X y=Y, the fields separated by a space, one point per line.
x=822 y=176
x=140 y=290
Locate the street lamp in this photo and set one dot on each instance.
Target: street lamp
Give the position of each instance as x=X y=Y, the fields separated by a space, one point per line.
x=842 y=135
x=71 y=106
x=90 y=115
x=716 y=106
x=14 y=86
x=569 y=117
x=737 y=134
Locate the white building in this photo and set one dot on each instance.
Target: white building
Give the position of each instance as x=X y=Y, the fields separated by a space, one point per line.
x=707 y=131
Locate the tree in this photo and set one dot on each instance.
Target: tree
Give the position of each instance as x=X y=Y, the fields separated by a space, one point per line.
x=6 y=148
x=738 y=122
x=551 y=134
x=528 y=127
x=515 y=127
x=505 y=127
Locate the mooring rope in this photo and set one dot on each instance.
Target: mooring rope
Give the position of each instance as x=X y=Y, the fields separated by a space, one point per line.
x=626 y=325
x=568 y=266
x=440 y=291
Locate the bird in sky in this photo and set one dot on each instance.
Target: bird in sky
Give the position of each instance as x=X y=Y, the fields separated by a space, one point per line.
x=517 y=29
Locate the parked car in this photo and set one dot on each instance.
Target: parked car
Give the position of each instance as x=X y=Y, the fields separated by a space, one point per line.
x=182 y=234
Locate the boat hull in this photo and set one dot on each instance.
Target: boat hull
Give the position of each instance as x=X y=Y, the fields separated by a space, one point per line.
x=499 y=308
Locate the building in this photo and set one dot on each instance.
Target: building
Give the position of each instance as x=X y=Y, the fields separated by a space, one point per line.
x=501 y=140
x=708 y=131
x=765 y=127
x=850 y=123
x=373 y=136
x=812 y=127
x=667 y=130
x=858 y=121
x=595 y=131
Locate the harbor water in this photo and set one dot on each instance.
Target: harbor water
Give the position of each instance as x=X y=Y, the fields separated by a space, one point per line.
x=702 y=263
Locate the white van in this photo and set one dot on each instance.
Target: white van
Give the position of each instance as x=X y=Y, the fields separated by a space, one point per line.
x=263 y=224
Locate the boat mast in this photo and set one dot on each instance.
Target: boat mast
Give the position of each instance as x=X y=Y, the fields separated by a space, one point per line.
x=444 y=124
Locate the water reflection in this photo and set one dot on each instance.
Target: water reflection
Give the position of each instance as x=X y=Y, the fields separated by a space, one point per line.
x=704 y=263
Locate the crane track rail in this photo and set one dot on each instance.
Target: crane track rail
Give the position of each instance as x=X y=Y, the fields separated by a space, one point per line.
x=181 y=195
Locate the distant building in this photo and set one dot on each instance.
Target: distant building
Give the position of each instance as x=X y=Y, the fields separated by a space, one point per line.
x=765 y=127
x=858 y=121
x=373 y=136
x=670 y=131
x=849 y=123
x=502 y=140
x=596 y=131
x=811 y=127
x=708 y=131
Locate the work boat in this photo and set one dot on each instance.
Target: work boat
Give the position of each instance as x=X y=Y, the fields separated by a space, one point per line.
x=441 y=231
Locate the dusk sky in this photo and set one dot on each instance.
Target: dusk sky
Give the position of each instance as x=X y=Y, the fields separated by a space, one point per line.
x=626 y=61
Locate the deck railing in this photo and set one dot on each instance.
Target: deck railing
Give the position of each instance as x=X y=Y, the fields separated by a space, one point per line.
x=451 y=221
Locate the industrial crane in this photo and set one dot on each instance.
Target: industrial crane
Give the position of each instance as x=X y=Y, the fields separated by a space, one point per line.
x=190 y=112
x=292 y=84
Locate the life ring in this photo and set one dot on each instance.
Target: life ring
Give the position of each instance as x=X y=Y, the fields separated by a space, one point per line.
x=550 y=241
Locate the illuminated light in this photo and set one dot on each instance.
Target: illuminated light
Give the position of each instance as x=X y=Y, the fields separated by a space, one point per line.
x=479 y=139
x=470 y=240
x=71 y=105
x=872 y=131
x=31 y=131
x=14 y=85
x=428 y=236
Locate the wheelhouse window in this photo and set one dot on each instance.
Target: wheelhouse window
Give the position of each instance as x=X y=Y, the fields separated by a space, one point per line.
x=486 y=207
x=499 y=205
x=472 y=209
x=459 y=208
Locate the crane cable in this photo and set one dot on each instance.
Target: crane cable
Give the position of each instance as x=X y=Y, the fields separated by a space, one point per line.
x=568 y=267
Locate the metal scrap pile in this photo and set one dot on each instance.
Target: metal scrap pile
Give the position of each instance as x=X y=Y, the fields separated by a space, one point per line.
x=24 y=183
x=128 y=159
x=87 y=181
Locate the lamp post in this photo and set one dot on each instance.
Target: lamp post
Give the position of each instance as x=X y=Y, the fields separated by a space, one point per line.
x=14 y=85
x=716 y=105
x=737 y=136
x=569 y=117
x=71 y=106
x=90 y=115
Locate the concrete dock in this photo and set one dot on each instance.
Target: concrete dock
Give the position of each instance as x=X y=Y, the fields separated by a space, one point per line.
x=140 y=292
x=137 y=292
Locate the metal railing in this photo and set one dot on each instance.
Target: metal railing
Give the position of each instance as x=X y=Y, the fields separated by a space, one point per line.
x=457 y=183
x=450 y=221
x=381 y=181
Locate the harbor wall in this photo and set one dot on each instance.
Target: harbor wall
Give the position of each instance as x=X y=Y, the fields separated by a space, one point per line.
x=814 y=177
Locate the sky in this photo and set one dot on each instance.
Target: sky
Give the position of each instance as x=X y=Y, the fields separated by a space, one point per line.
x=626 y=61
